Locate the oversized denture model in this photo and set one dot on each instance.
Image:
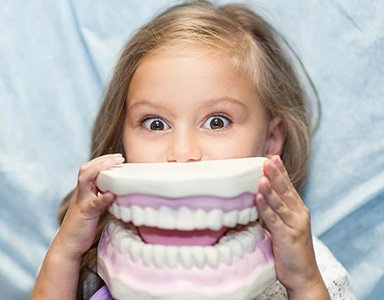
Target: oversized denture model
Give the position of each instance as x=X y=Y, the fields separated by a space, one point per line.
x=185 y=231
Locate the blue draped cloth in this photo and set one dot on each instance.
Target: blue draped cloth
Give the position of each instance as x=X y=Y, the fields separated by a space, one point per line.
x=57 y=56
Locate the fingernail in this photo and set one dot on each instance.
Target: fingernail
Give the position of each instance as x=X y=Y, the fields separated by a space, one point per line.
x=118 y=158
x=272 y=165
x=259 y=199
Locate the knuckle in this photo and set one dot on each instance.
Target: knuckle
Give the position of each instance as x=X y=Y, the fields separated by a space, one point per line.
x=287 y=192
x=307 y=214
x=279 y=207
x=81 y=179
x=305 y=217
x=93 y=203
x=306 y=210
x=82 y=169
x=273 y=220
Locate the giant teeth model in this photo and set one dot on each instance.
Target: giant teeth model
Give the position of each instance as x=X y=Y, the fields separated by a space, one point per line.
x=185 y=231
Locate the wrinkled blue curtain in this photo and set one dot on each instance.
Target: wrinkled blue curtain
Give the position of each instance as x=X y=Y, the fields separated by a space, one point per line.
x=56 y=57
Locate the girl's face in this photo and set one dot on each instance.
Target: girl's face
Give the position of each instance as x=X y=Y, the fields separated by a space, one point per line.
x=191 y=106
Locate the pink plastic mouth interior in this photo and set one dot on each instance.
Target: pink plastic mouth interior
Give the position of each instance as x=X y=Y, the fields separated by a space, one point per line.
x=159 y=236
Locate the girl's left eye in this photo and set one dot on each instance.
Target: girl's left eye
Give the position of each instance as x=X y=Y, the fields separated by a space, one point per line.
x=155 y=124
x=217 y=122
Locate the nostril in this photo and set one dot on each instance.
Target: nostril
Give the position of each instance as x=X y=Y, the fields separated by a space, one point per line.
x=185 y=155
x=184 y=146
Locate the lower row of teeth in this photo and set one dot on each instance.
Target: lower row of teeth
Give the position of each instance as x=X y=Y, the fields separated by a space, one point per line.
x=183 y=218
x=233 y=245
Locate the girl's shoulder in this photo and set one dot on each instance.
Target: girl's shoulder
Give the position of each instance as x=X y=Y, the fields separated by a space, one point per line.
x=335 y=276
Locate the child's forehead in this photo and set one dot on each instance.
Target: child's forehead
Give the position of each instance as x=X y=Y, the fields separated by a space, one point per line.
x=212 y=58
x=191 y=81
x=245 y=57
x=189 y=70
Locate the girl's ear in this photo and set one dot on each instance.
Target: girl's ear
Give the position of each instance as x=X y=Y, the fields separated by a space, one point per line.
x=275 y=138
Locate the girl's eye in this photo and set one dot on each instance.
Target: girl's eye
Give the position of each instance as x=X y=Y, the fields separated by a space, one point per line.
x=216 y=122
x=155 y=124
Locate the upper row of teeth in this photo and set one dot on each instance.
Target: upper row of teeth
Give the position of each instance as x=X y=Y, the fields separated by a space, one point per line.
x=183 y=218
x=233 y=245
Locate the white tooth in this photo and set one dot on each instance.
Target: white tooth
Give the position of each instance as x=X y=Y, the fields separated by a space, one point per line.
x=171 y=256
x=125 y=214
x=200 y=219
x=257 y=231
x=198 y=255
x=235 y=248
x=135 y=250
x=184 y=219
x=244 y=216
x=111 y=209
x=224 y=254
x=159 y=255
x=114 y=240
x=147 y=254
x=111 y=227
x=186 y=256
x=115 y=210
x=137 y=215
x=150 y=217
x=224 y=239
x=212 y=257
x=230 y=218
x=215 y=219
x=118 y=235
x=245 y=241
x=253 y=214
x=165 y=218
x=125 y=245
x=252 y=241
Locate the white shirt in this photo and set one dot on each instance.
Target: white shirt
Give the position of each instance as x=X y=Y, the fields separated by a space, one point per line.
x=334 y=275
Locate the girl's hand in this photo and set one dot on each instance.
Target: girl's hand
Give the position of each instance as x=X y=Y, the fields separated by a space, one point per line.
x=288 y=222
x=78 y=228
x=59 y=274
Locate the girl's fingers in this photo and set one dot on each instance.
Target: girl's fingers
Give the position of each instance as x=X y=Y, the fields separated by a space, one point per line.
x=268 y=215
x=89 y=172
x=275 y=202
x=275 y=171
x=97 y=160
x=95 y=206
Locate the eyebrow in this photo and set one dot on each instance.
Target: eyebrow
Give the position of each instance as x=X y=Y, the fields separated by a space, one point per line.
x=225 y=100
x=207 y=103
x=144 y=102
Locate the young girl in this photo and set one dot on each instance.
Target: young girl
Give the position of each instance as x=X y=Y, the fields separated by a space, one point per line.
x=201 y=82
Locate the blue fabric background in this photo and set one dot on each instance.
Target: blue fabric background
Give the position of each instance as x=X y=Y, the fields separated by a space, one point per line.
x=56 y=57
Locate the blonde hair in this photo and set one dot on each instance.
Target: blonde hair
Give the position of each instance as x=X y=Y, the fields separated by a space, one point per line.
x=252 y=45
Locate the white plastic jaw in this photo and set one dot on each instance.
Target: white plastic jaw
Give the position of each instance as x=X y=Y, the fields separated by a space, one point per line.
x=239 y=266
x=219 y=178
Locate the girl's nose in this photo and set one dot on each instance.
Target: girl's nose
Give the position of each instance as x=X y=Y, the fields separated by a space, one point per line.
x=184 y=147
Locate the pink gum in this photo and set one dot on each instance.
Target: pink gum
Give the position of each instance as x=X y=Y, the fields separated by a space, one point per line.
x=193 y=202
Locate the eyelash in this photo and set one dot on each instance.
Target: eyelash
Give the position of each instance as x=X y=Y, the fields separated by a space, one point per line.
x=153 y=117
x=220 y=115
x=214 y=115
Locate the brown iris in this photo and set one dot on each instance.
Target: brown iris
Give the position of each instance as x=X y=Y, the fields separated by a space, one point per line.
x=216 y=123
x=157 y=125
